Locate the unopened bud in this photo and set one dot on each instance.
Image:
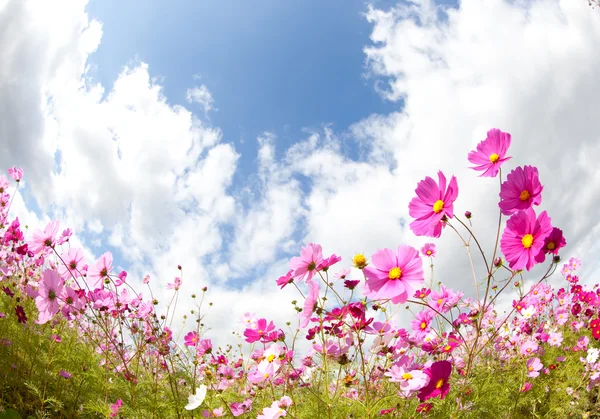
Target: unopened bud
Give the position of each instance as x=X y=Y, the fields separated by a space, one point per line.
x=498 y=262
x=468 y=215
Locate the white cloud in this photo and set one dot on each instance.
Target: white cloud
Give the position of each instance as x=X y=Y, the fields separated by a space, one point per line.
x=155 y=180
x=200 y=95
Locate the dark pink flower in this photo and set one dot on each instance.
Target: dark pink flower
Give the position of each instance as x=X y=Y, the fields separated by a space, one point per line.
x=439 y=374
x=521 y=190
x=326 y=263
x=432 y=205
x=285 y=279
x=490 y=153
x=524 y=237
x=554 y=242
x=394 y=275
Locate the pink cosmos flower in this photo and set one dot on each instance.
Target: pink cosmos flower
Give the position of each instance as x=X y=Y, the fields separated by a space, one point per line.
x=439 y=374
x=534 y=365
x=72 y=265
x=491 y=153
x=529 y=347
x=115 y=407
x=50 y=288
x=309 y=303
x=521 y=190
x=394 y=275
x=285 y=279
x=44 y=240
x=273 y=412
x=428 y=250
x=261 y=329
x=175 y=285
x=191 y=339
x=420 y=325
x=524 y=238
x=432 y=205
x=101 y=271
x=204 y=347
x=16 y=173
x=238 y=409
x=307 y=263
x=410 y=380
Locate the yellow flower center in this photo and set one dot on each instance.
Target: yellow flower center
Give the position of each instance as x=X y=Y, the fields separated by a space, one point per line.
x=447 y=348
x=429 y=253
x=524 y=196
x=438 y=206
x=551 y=246
x=423 y=325
x=440 y=301
x=266 y=375
x=494 y=157
x=360 y=261
x=530 y=368
x=439 y=383
x=395 y=273
x=407 y=376
x=527 y=241
x=271 y=357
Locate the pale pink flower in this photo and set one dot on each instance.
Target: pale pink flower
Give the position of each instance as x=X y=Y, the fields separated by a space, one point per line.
x=50 y=288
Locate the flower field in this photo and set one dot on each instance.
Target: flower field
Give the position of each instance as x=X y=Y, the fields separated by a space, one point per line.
x=376 y=335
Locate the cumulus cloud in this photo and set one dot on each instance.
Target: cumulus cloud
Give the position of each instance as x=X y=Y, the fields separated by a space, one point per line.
x=156 y=182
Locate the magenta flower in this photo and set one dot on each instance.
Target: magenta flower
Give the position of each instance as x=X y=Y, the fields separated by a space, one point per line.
x=439 y=374
x=285 y=279
x=521 y=190
x=432 y=205
x=307 y=263
x=115 y=407
x=65 y=374
x=394 y=275
x=490 y=153
x=554 y=242
x=328 y=262
x=50 y=288
x=21 y=316
x=420 y=325
x=191 y=339
x=261 y=329
x=524 y=237
x=428 y=250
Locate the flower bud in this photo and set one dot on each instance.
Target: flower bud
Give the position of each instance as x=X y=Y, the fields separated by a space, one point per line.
x=468 y=215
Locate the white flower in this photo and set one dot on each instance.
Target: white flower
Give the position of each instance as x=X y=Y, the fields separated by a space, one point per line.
x=528 y=312
x=196 y=400
x=592 y=355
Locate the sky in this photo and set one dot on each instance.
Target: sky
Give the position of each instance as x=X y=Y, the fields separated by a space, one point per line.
x=225 y=137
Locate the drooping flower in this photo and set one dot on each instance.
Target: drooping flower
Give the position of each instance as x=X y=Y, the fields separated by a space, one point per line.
x=196 y=399
x=307 y=263
x=50 y=288
x=394 y=275
x=285 y=279
x=521 y=190
x=432 y=205
x=309 y=303
x=490 y=153
x=16 y=173
x=524 y=237
x=439 y=374
x=175 y=285
x=428 y=250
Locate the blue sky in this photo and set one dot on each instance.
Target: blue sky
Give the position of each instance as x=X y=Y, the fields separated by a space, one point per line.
x=277 y=66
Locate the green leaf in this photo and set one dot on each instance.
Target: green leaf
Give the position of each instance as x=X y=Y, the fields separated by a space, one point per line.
x=10 y=414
